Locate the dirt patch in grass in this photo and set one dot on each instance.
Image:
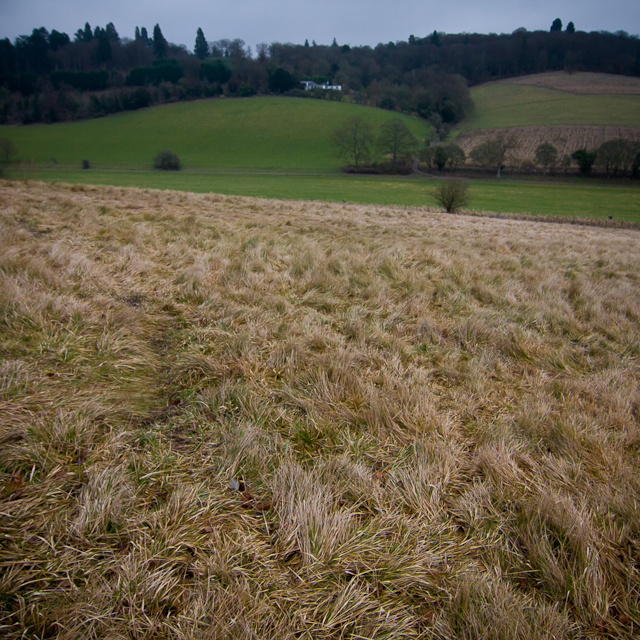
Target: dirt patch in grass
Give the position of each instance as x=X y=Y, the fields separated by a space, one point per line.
x=227 y=417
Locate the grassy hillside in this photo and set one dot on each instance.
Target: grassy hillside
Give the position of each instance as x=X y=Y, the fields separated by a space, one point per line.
x=234 y=418
x=511 y=104
x=287 y=133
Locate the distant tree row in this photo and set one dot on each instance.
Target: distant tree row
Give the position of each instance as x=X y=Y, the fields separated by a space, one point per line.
x=619 y=157
x=447 y=155
x=221 y=67
x=394 y=148
x=557 y=26
x=358 y=144
x=427 y=76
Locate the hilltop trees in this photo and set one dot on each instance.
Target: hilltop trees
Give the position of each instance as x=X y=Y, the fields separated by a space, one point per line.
x=281 y=80
x=201 y=48
x=160 y=45
x=428 y=75
x=142 y=35
x=84 y=35
x=58 y=40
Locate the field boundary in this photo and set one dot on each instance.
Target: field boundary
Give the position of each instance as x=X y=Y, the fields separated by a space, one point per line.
x=532 y=217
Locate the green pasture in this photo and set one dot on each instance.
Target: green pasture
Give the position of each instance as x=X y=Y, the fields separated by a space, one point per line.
x=505 y=104
x=292 y=133
x=577 y=198
x=281 y=148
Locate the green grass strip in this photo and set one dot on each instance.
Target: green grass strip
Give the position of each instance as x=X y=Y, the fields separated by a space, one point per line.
x=577 y=198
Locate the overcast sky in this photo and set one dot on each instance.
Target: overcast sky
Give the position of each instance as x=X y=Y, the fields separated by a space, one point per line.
x=355 y=22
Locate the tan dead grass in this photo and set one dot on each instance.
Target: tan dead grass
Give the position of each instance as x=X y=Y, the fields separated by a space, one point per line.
x=434 y=419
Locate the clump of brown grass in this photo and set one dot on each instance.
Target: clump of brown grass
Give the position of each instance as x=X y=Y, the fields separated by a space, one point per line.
x=225 y=417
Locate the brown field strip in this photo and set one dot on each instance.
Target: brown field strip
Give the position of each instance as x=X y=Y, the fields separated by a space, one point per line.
x=582 y=82
x=565 y=138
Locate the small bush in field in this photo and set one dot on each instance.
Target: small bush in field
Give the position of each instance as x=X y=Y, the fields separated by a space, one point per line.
x=452 y=194
x=167 y=161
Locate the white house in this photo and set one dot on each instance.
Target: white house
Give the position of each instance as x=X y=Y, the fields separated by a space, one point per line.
x=309 y=84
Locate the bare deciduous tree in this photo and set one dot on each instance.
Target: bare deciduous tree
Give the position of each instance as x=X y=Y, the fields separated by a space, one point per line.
x=493 y=153
x=354 y=138
x=546 y=156
x=396 y=140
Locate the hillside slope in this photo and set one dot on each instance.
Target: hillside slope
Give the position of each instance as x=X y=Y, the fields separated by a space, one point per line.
x=287 y=133
x=556 y=99
x=569 y=110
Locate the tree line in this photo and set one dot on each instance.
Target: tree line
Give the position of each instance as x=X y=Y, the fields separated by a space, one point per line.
x=615 y=158
x=394 y=149
x=49 y=76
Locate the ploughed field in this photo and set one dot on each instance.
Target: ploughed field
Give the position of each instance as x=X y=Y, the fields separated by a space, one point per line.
x=227 y=417
x=582 y=82
x=565 y=138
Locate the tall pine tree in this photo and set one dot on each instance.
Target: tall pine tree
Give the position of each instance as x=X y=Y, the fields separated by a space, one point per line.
x=111 y=32
x=160 y=45
x=202 y=47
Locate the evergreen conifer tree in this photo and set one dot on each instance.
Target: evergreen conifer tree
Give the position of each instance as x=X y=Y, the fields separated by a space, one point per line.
x=202 y=47
x=160 y=45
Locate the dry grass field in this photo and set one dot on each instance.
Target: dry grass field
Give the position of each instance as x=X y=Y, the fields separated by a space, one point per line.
x=565 y=138
x=224 y=417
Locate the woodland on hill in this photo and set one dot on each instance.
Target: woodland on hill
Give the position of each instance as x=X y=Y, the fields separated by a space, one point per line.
x=50 y=76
